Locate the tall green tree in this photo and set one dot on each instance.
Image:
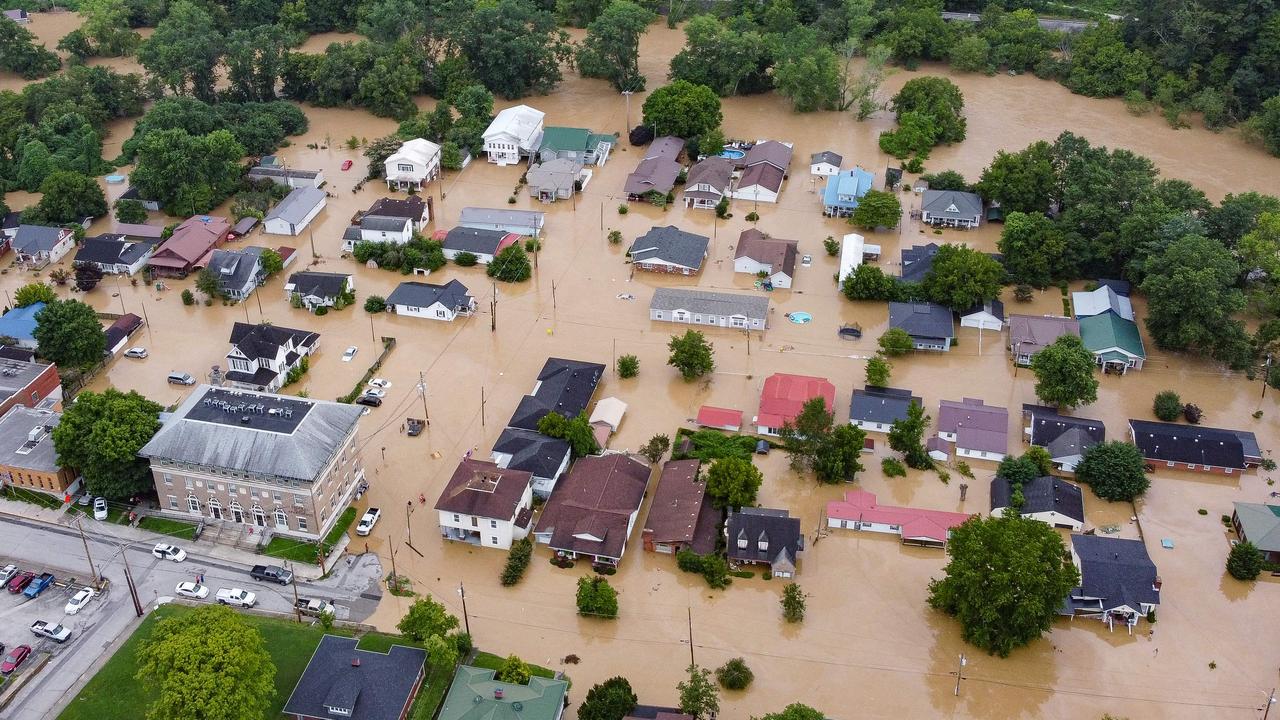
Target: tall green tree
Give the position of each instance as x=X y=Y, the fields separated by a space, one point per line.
x=513 y=47
x=877 y=209
x=20 y=53
x=691 y=354
x=33 y=293
x=67 y=197
x=1245 y=561
x=184 y=51
x=1004 y=581
x=906 y=436
x=1023 y=181
x=106 y=24
x=511 y=264
x=682 y=109
x=426 y=618
x=612 y=699
x=100 y=435
x=730 y=61
x=1115 y=470
x=1034 y=249
x=937 y=98
x=187 y=174
x=808 y=73
x=209 y=663
x=698 y=695
x=69 y=334
x=962 y=277
x=733 y=483
x=895 y=341
x=611 y=49
x=1192 y=298
x=597 y=598
x=795 y=711
x=1065 y=374
x=878 y=369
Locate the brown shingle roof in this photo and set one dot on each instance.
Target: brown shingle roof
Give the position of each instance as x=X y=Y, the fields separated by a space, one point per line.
x=771 y=152
x=677 y=503
x=777 y=253
x=762 y=174
x=483 y=489
x=715 y=171
x=595 y=500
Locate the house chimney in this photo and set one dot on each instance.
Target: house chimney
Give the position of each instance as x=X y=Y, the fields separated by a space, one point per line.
x=355 y=662
x=497 y=693
x=1155 y=585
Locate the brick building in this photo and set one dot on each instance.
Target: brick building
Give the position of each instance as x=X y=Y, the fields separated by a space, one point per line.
x=31 y=384
x=27 y=457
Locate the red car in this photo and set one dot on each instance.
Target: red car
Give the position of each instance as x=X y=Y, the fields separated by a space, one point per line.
x=15 y=658
x=21 y=581
x=346 y=165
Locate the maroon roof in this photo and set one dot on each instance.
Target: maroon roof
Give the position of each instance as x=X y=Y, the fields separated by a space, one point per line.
x=591 y=506
x=680 y=510
x=770 y=151
x=483 y=489
x=762 y=174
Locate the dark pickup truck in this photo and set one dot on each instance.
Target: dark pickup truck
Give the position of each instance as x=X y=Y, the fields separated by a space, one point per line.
x=271 y=573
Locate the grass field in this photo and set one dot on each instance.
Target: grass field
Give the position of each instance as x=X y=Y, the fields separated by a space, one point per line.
x=164 y=526
x=305 y=552
x=31 y=496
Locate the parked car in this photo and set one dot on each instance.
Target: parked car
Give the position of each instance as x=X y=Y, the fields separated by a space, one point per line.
x=349 y=353
x=375 y=392
x=137 y=353
x=53 y=631
x=85 y=500
x=313 y=607
x=192 y=590
x=7 y=573
x=19 y=582
x=79 y=600
x=165 y=551
x=380 y=383
x=271 y=573
x=181 y=378
x=238 y=597
x=16 y=657
x=346 y=165
x=38 y=585
x=100 y=508
x=369 y=400
x=365 y=526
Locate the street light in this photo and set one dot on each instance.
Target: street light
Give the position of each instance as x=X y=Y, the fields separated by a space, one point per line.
x=627 y=95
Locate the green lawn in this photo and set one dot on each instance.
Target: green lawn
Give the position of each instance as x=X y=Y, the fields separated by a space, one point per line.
x=164 y=526
x=33 y=497
x=305 y=552
x=489 y=661
x=431 y=695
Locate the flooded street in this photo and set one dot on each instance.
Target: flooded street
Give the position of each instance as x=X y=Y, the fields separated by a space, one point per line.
x=869 y=646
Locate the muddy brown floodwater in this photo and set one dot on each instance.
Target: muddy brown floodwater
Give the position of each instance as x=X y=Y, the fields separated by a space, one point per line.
x=869 y=647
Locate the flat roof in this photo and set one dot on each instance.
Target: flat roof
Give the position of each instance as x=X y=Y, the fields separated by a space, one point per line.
x=271 y=413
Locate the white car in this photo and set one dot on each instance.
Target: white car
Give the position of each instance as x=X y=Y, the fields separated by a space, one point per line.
x=367 y=522
x=7 y=573
x=79 y=600
x=100 y=508
x=349 y=353
x=192 y=590
x=165 y=551
x=375 y=392
x=236 y=596
x=806 y=261
x=137 y=353
x=380 y=383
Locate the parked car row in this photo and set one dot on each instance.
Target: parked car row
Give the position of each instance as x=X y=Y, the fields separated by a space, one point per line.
x=26 y=582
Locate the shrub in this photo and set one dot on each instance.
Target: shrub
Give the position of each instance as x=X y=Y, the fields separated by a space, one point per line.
x=513 y=670
x=1202 y=511
x=596 y=597
x=722 y=208
x=1192 y=413
x=465 y=259
x=1167 y=406
x=734 y=674
x=893 y=467
x=517 y=561
x=322 y=310
x=375 y=304
x=1245 y=561
x=628 y=366
x=793 y=603
x=188 y=298
x=753 y=216
x=623 y=209
x=1023 y=293
x=615 y=237
x=831 y=245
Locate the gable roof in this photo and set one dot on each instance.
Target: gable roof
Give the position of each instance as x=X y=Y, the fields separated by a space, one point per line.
x=558 y=174
x=854 y=182
x=412 y=207
x=719 y=417
x=501 y=216
x=565 y=386
x=777 y=253
x=518 y=121
x=590 y=509
x=671 y=244
x=480 y=241
x=1194 y=444
x=235 y=268
x=1097 y=302
x=532 y=451
x=952 y=204
x=139 y=230
x=927 y=320
x=381 y=223
x=20 y=322
x=917 y=261
x=652 y=174
x=915 y=523
x=762 y=174
x=881 y=404
x=485 y=490
x=1030 y=334
x=1260 y=524
x=452 y=295
x=264 y=341
x=193 y=239
x=666 y=147
x=826 y=156
x=566 y=139
x=710 y=303
x=319 y=284
x=782 y=533
x=680 y=511
x=770 y=152
x=1062 y=435
x=994 y=308
x=295 y=206
x=1121 y=287
x=476 y=695
x=418 y=151
x=373 y=685
x=1110 y=332
x=976 y=426
x=111 y=250
x=1041 y=495
x=784 y=396
x=32 y=239
x=1115 y=569
x=715 y=171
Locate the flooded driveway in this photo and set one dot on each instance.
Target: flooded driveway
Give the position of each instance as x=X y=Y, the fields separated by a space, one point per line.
x=869 y=647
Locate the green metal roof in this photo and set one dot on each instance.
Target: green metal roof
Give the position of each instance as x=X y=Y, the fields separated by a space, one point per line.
x=1107 y=332
x=472 y=697
x=566 y=139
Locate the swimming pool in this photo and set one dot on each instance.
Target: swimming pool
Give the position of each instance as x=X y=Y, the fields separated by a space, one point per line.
x=800 y=318
x=733 y=153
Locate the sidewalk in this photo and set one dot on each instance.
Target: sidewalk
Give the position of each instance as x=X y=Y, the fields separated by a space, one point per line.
x=59 y=517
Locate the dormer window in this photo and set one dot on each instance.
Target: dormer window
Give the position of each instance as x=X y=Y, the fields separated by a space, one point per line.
x=763 y=545
x=742 y=542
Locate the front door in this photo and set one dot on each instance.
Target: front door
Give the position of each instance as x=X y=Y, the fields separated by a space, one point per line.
x=237 y=515
x=259 y=517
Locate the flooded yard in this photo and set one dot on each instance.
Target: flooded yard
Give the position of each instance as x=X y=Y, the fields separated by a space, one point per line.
x=869 y=647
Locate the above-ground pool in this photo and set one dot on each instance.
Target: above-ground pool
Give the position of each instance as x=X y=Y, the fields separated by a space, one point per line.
x=115 y=179
x=799 y=318
x=733 y=153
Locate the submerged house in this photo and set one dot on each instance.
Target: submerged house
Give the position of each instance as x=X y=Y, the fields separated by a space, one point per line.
x=681 y=515
x=593 y=509
x=979 y=431
x=239 y=272
x=1050 y=500
x=765 y=536
x=113 y=254
x=515 y=133
x=1065 y=437
x=1029 y=334
x=1259 y=524
x=844 y=190
x=1192 y=447
x=784 y=396
x=577 y=145
x=656 y=174
x=1118 y=581
x=931 y=326
x=765 y=169
x=435 y=302
x=416 y=163
x=951 y=208
x=774 y=259
x=189 y=244
x=708 y=183
x=916 y=526
x=486 y=505
x=553 y=180
x=669 y=249
x=546 y=458
x=876 y=409
x=563 y=386
x=319 y=289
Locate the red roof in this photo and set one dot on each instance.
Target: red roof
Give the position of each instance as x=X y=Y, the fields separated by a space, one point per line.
x=709 y=416
x=916 y=523
x=785 y=395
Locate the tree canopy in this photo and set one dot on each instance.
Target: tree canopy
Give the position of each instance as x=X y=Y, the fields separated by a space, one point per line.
x=906 y=436
x=1065 y=373
x=698 y=695
x=1115 y=470
x=962 y=277
x=682 y=109
x=426 y=618
x=691 y=354
x=67 y=197
x=611 y=48
x=100 y=435
x=814 y=441
x=1004 y=581
x=733 y=482
x=69 y=334
x=876 y=209
x=612 y=699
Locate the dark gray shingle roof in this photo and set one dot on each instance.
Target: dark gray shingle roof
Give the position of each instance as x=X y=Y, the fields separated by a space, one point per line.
x=928 y=320
x=881 y=405
x=671 y=244
x=1044 y=494
x=379 y=687
x=452 y=294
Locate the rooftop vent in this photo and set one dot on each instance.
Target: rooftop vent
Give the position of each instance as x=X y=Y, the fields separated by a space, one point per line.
x=497 y=693
x=355 y=662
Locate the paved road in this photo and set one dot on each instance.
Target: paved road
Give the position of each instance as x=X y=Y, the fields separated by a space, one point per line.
x=99 y=628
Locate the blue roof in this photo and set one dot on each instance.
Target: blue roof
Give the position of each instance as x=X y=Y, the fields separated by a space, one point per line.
x=844 y=187
x=20 y=323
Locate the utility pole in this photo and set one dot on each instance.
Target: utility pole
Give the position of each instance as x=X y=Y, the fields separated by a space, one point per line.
x=297 y=609
x=312 y=234
x=627 y=95
x=615 y=355
x=1266 y=375
x=392 y=545
x=959 y=671
x=372 y=336
x=481 y=406
x=1271 y=700
x=690 y=614
x=93 y=571
x=493 y=309
x=422 y=390
x=466 y=619
x=553 y=294
x=128 y=579
x=144 y=316
x=261 y=315
x=747 y=332
x=408 y=526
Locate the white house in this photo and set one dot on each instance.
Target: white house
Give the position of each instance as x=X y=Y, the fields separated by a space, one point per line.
x=703 y=307
x=515 y=133
x=377 y=228
x=984 y=316
x=415 y=163
x=978 y=430
x=434 y=302
x=765 y=169
x=825 y=163
x=916 y=526
x=40 y=245
x=1048 y=499
x=295 y=212
x=853 y=250
x=261 y=356
x=487 y=505
x=484 y=244
x=114 y=255
x=775 y=259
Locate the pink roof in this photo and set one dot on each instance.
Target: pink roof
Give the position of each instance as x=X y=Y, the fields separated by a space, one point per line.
x=719 y=417
x=915 y=522
x=785 y=395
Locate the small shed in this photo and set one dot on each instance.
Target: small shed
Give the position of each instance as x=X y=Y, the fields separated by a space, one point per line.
x=719 y=418
x=609 y=411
